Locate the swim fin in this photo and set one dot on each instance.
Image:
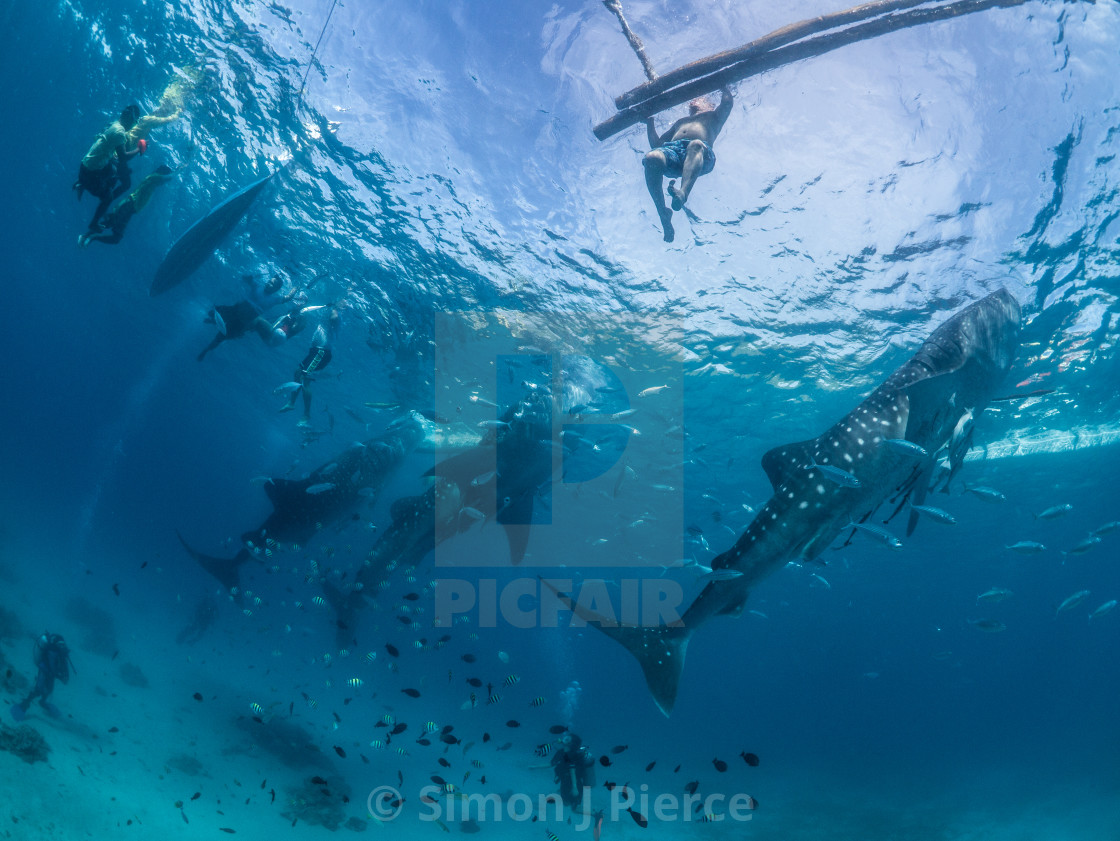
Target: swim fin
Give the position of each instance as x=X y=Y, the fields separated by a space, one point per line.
x=18 y=712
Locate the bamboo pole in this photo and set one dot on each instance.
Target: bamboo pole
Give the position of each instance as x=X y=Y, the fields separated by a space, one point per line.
x=635 y=42
x=775 y=58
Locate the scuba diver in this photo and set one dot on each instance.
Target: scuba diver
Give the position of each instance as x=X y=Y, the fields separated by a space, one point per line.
x=574 y=767
x=205 y=612
x=52 y=658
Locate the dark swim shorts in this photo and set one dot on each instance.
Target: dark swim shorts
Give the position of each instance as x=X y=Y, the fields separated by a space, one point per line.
x=675 y=152
x=317 y=358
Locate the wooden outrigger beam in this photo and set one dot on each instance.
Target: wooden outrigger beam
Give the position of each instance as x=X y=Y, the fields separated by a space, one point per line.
x=781 y=47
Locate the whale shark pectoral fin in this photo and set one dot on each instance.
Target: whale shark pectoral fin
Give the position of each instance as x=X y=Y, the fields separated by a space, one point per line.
x=517 y=520
x=518 y=536
x=660 y=650
x=918 y=495
x=783 y=461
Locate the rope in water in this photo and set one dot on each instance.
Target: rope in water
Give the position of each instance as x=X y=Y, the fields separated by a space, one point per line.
x=315 y=51
x=635 y=42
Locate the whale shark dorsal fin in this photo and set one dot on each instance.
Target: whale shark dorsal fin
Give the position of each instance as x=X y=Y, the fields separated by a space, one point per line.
x=276 y=489
x=780 y=462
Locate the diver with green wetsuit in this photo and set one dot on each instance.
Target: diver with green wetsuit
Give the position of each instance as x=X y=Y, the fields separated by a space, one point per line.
x=111 y=227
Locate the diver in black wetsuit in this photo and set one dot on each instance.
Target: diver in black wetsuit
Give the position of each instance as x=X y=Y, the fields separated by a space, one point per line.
x=235 y=320
x=574 y=767
x=52 y=658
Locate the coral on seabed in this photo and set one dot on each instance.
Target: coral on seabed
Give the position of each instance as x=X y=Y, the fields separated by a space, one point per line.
x=316 y=804
x=25 y=742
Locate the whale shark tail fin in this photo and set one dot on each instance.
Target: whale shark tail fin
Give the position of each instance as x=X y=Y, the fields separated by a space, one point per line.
x=225 y=570
x=660 y=650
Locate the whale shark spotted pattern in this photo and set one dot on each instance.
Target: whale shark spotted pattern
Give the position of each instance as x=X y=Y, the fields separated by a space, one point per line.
x=953 y=374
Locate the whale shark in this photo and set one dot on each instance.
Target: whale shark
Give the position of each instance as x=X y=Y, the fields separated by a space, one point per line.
x=498 y=479
x=952 y=376
x=303 y=506
x=419 y=523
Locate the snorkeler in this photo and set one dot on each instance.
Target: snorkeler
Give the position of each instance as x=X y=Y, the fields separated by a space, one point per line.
x=171 y=102
x=104 y=170
x=52 y=659
x=318 y=357
x=685 y=152
x=574 y=767
x=111 y=228
x=235 y=320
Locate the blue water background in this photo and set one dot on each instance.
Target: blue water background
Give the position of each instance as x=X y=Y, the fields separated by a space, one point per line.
x=443 y=162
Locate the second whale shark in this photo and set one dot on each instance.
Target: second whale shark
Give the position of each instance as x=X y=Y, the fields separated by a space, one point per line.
x=824 y=486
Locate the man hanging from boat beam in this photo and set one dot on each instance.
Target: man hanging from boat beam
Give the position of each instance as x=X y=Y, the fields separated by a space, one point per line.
x=685 y=152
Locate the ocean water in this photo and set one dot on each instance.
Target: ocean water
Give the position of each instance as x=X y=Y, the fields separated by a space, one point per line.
x=438 y=174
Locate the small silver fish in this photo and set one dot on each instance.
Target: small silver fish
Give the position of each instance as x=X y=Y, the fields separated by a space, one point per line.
x=1054 y=511
x=287 y=388
x=821 y=580
x=652 y=390
x=724 y=574
x=473 y=513
x=834 y=474
x=320 y=488
x=1102 y=610
x=483 y=478
x=996 y=594
x=985 y=493
x=882 y=535
x=990 y=626
x=935 y=514
x=1073 y=601
x=1026 y=547
x=1107 y=527
x=1083 y=546
x=906 y=448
